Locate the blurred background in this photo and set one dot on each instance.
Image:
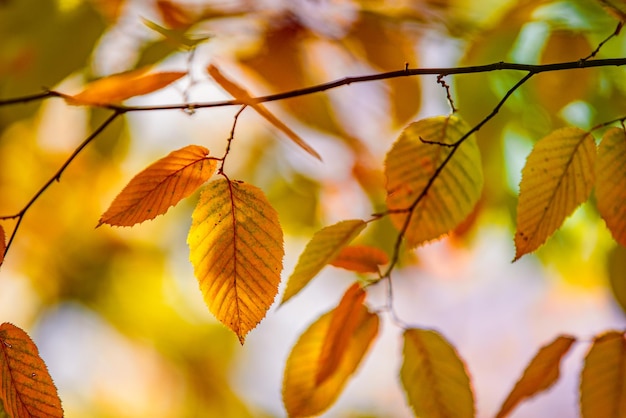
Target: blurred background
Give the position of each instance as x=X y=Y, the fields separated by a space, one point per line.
x=117 y=313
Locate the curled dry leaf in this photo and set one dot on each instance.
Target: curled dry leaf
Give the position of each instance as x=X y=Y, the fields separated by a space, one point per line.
x=26 y=388
x=161 y=185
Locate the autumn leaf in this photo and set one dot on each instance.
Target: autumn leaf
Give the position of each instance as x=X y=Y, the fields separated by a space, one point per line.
x=26 y=388
x=343 y=324
x=360 y=258
x=413 y=168
x=119 y=87
x=241 y=94
x=236 y=248
x=161 y=185
x=541 y=373
x=434 y=377
x=558 y=176
x=321 y=250
x=611 y=182
x=602 y=388
x=302 y=395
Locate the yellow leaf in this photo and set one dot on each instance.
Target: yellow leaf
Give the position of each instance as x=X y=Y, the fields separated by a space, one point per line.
x=302 y=396
x=611 y=182
x=541 y=373
x=602 y=388
x=321 y=250
x=410 y=167
x=434 y=377
x=360 y=258
x=343 y=323
x=236 y=248
x=161 y=185
x=26 y=388
x=241 y=94
x=558 y=176
x=119 y=87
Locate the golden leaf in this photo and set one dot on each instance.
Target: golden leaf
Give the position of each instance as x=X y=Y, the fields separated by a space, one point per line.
x=321 y=250
x=602 y=388
x=558 y=176
x=412 y=164
x=161 y=185
x=434 y=377
x=119 y=87
x=304 y=397
x=236 y=248
x=541 y=373
x=241 y=94
x=343 y=324
x=26 y=388
x=611 y=182
x=360 y=258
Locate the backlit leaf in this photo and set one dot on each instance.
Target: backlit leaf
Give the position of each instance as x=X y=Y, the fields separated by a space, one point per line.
x=616 y=266
x=541 y=373
x=241 y=94
x=360 y=258
x=602 y=388
x=161 y=185
x=558 y=176
x=611 y=182
x=434 y=377
x=119 y=87
x=342 y=325
x=236 y=246
x=321 y=250
x=26 y=388
x=304 y=397
x=410 y=167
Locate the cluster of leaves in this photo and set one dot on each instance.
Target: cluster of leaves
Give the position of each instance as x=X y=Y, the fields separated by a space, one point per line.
x=434 y=183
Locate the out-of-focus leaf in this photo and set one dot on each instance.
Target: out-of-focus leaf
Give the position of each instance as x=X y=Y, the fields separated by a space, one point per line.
x=3 y=245
x=434 y=377
x=302 y=395
x=602 y=388
x=26 y=388
x=236 y=246
x=616 y=8
x=343 y=324
x=360 y=258
x=541 y=373
x=241 y=94
x=321 y=250
x=617 y=275
x=174 y=15
x=558 y=176
x=110 y=9
x=119 y=87
x=611 y=182
x=558 y=88
x=161 y=185
x=410 y=167
x=177 y=37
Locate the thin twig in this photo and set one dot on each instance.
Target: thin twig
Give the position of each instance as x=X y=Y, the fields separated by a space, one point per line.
x=601 y=44
x=230 y=139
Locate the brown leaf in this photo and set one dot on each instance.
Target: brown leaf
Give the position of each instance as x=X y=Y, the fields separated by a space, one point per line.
x=241 y=94
x=360 y=258
x=26 y=388
x=541 y=373
x=119 y=87
x=161 y=185
x=611 y=182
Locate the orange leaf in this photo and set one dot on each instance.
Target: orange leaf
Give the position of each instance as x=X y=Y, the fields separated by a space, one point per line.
x=342 y=325
x=161 y=185
x=236 y=248
x=434 y=377
x=602 y=388
x=119 y=87
x=557 y=177
x=304 y=397
x=611 y=182
x=241 y=94
x=3 y=245
x=26 y=388
x=541 y=373
x=322 y=249
x=360 y=258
